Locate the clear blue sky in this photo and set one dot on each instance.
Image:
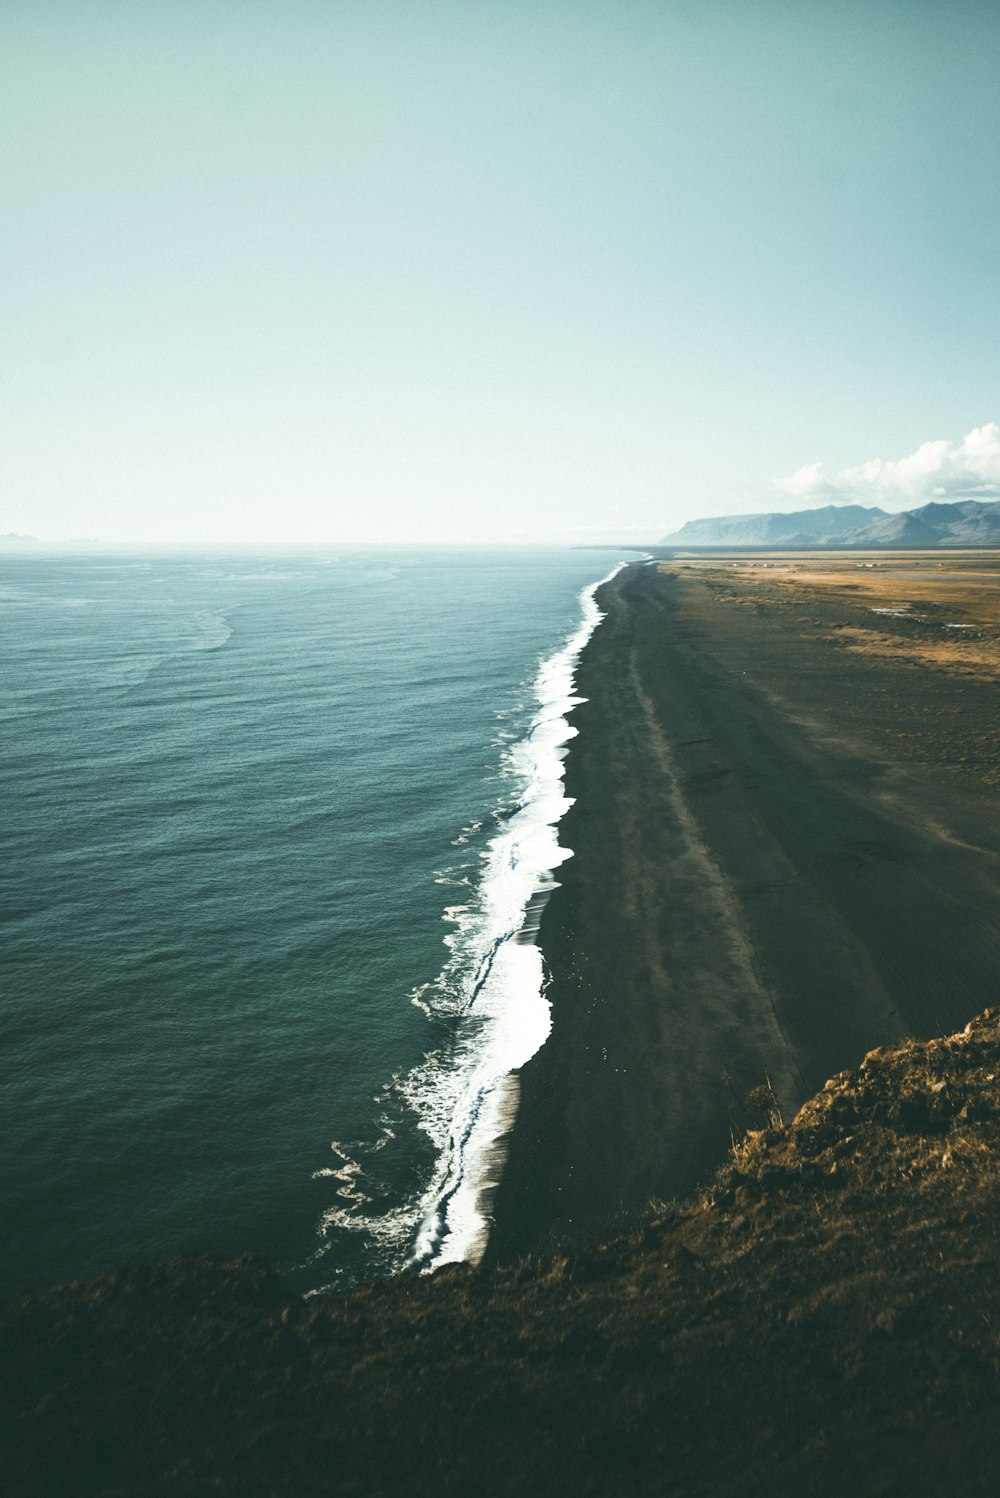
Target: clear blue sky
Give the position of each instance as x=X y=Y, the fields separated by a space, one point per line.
x=348 y=271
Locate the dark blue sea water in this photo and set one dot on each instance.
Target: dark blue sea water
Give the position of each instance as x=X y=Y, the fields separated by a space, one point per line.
x=268 y=824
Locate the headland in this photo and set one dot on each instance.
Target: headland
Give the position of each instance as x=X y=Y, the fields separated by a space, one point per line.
x=823 y=1318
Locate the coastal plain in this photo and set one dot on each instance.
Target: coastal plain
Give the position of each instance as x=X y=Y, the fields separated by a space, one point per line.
x=786 y=852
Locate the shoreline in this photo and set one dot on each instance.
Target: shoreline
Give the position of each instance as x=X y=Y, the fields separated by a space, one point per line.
x=770 y=876
x=508 y=980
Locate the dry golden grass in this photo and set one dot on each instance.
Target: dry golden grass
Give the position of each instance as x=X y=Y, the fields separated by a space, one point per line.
x=825 y=1318
x=915 y=608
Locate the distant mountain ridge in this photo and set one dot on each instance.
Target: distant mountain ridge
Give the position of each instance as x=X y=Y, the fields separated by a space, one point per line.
x=968 y=522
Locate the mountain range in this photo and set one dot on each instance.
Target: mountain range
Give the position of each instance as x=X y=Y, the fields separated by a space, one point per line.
x=963 y=523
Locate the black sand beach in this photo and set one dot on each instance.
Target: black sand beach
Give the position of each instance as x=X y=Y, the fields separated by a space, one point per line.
x=786 y=853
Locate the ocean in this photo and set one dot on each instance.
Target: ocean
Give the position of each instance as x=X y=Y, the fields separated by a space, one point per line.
x=276 y=828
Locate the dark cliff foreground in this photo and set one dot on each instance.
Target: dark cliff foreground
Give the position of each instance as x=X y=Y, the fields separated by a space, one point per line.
x=825 y=1318
x=787 y=842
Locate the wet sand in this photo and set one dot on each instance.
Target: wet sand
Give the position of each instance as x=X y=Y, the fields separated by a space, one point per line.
x=787 y=852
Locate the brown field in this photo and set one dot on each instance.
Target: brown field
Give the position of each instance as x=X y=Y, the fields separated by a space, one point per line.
x=915 y=608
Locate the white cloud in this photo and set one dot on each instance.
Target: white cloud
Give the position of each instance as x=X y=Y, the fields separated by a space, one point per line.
x=941 y=470
x=810 y=485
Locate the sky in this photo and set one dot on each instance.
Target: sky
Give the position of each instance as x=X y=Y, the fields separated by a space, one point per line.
x=342 y=272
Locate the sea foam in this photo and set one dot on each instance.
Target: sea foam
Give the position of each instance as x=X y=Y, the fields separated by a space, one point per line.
x=490 y=995
x=508 y=1015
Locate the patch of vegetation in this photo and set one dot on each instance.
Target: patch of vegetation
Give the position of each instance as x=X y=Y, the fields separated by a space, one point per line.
x=824 y=1317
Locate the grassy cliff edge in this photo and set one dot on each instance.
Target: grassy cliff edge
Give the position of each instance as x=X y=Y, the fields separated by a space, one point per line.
x=825 y=1313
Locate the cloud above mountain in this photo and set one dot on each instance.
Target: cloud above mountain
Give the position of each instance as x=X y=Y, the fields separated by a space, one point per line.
x=941 y=470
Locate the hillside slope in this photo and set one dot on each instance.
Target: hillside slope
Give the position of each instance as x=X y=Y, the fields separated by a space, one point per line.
x=824 y=1317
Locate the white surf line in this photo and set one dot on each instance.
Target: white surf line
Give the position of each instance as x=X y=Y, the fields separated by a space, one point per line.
x=506 y=1001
